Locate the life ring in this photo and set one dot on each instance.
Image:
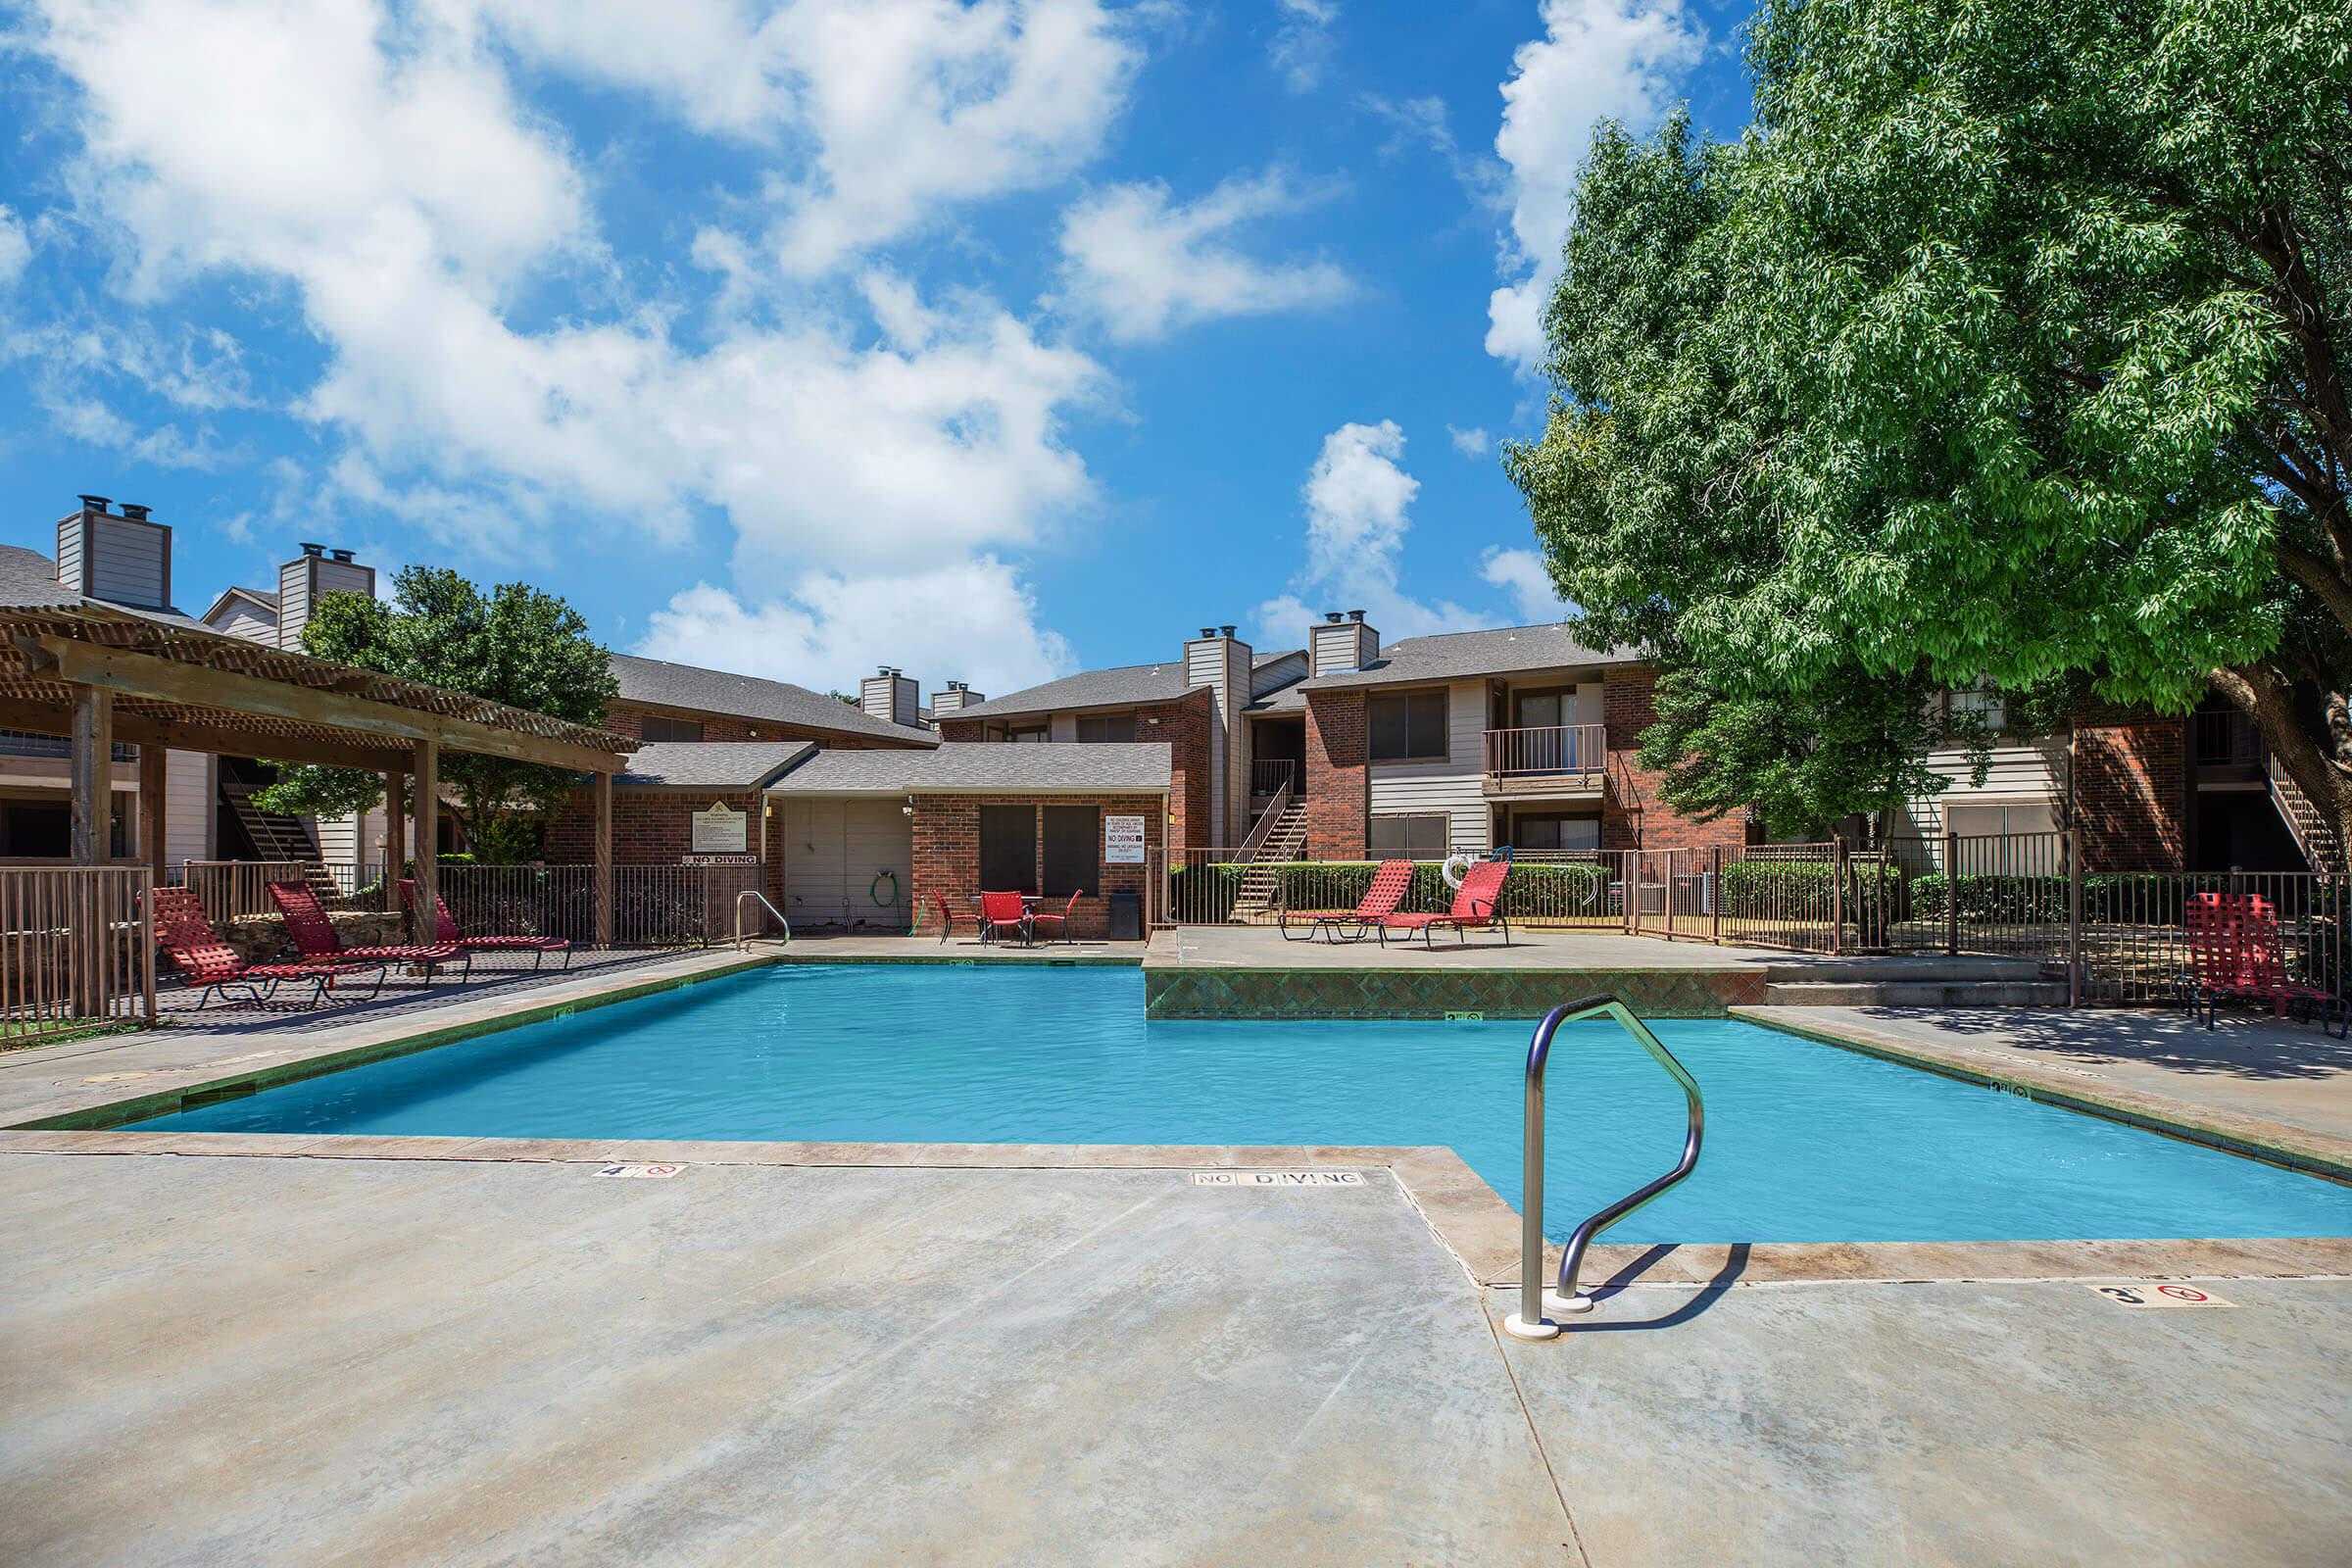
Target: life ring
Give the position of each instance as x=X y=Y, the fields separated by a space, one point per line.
x=873 y=889
x=1454 y=878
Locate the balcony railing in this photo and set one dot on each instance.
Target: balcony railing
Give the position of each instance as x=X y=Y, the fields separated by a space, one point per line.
x=1546 y=753
x=24 y=743
x=1271 y=775
x=2226 y=738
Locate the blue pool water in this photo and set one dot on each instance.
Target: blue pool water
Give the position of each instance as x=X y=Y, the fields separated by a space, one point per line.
x=1806 y=1143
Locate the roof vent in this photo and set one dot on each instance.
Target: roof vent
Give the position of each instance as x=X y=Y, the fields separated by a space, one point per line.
x=1356 y=615
x=1332 y=616
x=339 y=555
x=310 y=549
x=135 y=513
x=1209 y=631
x=92 y=503
x=1224 y=631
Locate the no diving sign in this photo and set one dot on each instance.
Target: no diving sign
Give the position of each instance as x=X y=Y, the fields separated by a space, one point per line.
x=2155 y=1292
x=1278 y=1178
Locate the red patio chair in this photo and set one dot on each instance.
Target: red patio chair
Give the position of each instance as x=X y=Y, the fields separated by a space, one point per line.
x=208 y=963
x=1058 y=919
x=1004 y=912
x=2218 y=926
x=1477 y=906
x=445 y=932
x=1387 y=889
x=949 y=914
x=315 y=938
x=2267 y=978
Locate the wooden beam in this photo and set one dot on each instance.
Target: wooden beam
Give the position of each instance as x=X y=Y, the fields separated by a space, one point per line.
x=396 y=847
x=604 y=859
x=168 y=680
x=151 y=808
x=92 y=772
x=137 y=729
x=427 y=770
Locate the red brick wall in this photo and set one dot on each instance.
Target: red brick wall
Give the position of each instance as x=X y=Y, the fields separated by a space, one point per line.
x=947 y=854
x=2130 y=791
x=1184 y=724
x=656 y=827
x=1632 y=815
x=628 y=719
x=1338 y=788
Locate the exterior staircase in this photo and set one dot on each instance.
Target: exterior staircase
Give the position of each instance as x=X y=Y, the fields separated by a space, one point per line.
x=1281 y=843
x=2313 y=834
x=274 y=837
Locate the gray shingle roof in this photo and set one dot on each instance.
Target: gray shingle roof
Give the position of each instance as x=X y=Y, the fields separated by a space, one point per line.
x=1122 y=687
x=986 y=768
x=716 y=691
x=29 y=581
x=712 y=765
x=266 y=598
x=1465 y=655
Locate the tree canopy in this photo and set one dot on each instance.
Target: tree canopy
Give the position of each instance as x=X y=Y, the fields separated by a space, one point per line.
x=2003 y=346
x=515 y=645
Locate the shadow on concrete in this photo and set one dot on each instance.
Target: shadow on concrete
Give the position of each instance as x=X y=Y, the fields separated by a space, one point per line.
x=401 y=995
x=1735 y=1264
x=2251 y=1048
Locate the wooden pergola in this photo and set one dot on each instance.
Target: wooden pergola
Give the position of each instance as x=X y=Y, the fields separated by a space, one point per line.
x=104 y=675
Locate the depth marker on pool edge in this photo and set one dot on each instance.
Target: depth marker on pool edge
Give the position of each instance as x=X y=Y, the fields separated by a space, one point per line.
x=2154 y=1292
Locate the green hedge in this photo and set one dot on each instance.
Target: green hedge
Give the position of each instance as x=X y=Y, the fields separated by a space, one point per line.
x=2147 y=898
x=1207 y=893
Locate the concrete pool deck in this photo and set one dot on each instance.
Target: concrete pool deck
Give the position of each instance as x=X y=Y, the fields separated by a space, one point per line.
x=280 y=1359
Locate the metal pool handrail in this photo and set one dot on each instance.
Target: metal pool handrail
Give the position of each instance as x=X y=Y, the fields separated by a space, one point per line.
x=1530 y=1322
x=755 y=892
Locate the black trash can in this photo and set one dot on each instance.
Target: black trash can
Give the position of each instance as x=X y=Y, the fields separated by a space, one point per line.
x=1126 y=918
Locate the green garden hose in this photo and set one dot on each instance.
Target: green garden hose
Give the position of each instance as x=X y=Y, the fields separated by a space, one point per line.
x=873 y=890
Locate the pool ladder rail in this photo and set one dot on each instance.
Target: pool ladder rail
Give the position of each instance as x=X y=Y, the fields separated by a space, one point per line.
x=755 y=892
x=1535 y=1318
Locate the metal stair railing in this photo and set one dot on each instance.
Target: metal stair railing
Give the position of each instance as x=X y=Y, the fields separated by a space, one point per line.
x=1532 y=1320
x=755 y=892
x=1265 y=824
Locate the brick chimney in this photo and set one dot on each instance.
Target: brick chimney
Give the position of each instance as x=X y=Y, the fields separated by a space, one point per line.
x=1342 y=642
x=891 y=696
x=122 y=558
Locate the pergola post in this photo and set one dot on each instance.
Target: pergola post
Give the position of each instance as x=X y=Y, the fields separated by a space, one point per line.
x=604 y=859
x=396 y=836
x=427 y=775
x=93 y=766
x=151 y=810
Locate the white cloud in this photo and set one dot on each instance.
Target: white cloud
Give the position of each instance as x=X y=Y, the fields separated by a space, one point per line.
x=1470 y=443
x=1521 y=574
x=913 y=106
x=1303 y=44
x=1598 y=59
x=1142 y=266
x=971 y=621
x=15 y=247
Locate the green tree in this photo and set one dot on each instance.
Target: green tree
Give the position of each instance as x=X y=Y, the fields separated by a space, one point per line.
x=2005 y=346
x=517 y=646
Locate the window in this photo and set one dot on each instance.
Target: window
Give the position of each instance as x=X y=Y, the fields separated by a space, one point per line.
x=1995 y=821
x=1036 y=734
x=1100 y=727
x=1409 y=725
x=658 y=727
x=1410 y=838
x=1556 y=833
x=1008 y=848
x=1072 y=856
x=1985 y=700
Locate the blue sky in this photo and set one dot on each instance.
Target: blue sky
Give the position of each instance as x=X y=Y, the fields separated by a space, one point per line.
x=989 y=340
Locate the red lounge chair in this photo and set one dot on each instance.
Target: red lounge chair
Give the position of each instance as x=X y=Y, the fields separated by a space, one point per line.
x=2218 y=927
x=948 y=915
x=196 y=948
x=1390 y=884
x=1477 y=904
x=315 y=938
x=1004 y=912
x=2267 y=978
x=445 y=932
x=1058 y=919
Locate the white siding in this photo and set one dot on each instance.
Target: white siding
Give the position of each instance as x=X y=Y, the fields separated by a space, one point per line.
x=1456 y=786
x=1276 y=673
x=188 y=807
x=346 y=578
x=2026 y=771
x=293 y=601
x=243 y=619
x=68 y=553
x=128 y=562
x=833 y=851
x=1059 y=727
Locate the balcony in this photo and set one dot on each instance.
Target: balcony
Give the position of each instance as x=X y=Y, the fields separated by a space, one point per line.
x=1548 y=759
x=24 y=743
x=2227 y=749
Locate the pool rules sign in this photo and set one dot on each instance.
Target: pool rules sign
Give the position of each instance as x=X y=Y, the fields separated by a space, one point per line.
x=720 y=830
x=1122 y=841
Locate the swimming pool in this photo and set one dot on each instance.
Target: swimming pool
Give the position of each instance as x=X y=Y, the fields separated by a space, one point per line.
x=1805 y=1142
